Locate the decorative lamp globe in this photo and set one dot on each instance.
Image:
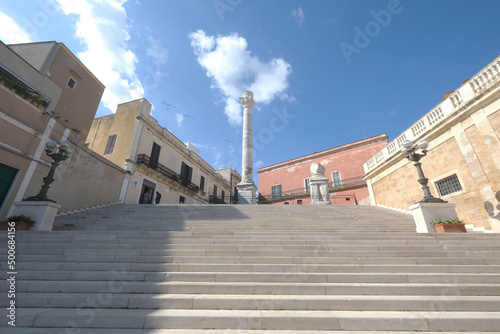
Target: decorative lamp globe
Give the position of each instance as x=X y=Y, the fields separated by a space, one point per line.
x=51 y=145
x=423 y=145
x=407 y=144
x=69 y=150
x=64 y=144
x=404 y=151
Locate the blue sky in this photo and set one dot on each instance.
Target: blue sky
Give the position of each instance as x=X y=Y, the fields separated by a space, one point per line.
x=324 y=72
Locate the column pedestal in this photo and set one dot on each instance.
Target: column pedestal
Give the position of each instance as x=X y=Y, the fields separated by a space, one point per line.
x=42 y=212
x=319 y=191
x=247 y=193
x=425 y=213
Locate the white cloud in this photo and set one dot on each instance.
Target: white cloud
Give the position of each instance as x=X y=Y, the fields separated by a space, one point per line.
x=259 y=164
x=298 y=14
x=102 y=27
x=233 y=69
x=217 y=163
x=10 y=32
x=180 y=119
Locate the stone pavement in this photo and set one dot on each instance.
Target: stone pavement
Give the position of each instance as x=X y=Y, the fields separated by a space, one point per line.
x=138 y=269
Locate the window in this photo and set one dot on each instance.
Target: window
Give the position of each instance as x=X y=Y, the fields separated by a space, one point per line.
x=448 y=185
x=110 y=145
x=222 y=194
x=337 y=181
x=299 y=202
x=215 y=190
x=202 y=183
x=71 y=83
x=306 y=184
x=186 y=174
x=155 y=156
x=276 y=191
x=182 y=200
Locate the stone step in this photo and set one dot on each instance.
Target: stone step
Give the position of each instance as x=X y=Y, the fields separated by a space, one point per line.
x=32 y=275
x=261 y=302
x=14 y=330
x=340 y=259
x=258 y=288
x=249 y=269
x=276 y=268
x=61 y=248
x=45 y=254
x=248 y=319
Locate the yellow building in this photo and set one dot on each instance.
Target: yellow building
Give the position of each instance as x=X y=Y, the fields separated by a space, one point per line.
x=462 y=164
x=155 y=160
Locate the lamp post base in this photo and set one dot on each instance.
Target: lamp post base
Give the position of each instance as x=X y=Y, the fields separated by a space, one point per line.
x=432 y=199
x=38 y=198
x=42 y=212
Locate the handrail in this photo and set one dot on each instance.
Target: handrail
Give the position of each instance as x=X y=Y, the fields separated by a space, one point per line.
x=301 y=192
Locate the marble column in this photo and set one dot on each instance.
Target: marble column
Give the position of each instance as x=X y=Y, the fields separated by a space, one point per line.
x=247 y=188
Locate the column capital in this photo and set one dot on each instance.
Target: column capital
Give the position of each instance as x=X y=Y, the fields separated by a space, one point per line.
x=247 y=100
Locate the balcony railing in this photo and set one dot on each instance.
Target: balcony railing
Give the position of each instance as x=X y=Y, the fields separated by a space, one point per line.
x=470 y=91
x=334 y=198
x=213 y=199
x=167 y=172
x=342 y=185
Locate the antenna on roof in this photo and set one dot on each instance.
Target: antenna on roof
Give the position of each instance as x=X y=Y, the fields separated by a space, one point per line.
x=167 y=106
x=184 y=116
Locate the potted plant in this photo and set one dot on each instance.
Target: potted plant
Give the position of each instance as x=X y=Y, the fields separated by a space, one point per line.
x=449 y=225
x=21 y=223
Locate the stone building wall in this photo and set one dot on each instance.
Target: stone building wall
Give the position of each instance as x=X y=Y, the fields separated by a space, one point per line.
x=347 y=160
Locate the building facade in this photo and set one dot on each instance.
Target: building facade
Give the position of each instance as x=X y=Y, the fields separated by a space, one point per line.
x=288 y=182
x=35 y=106
x=154 y=159
x=81 y=91
x=234 y=178
x=462 y=164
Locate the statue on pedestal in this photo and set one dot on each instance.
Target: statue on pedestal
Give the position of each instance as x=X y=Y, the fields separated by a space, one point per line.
x=319 y=186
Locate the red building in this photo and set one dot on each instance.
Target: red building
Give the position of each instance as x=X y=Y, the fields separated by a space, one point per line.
x=288 y=182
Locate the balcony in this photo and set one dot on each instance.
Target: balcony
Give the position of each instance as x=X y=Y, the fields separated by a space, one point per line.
x=167 y=172
x=343 y=185
x=213 y=199
x=22 y=89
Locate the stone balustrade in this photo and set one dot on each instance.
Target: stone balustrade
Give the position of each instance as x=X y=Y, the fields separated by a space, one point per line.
x=469 y=92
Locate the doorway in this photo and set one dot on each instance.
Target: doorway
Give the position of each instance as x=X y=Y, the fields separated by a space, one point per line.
x=147 y=192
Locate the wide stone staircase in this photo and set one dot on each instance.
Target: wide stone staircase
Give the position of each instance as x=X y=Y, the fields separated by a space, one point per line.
x=137 y=269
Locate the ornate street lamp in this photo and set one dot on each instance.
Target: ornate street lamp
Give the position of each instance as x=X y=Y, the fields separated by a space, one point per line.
x=409 y=151
x=62 y=154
